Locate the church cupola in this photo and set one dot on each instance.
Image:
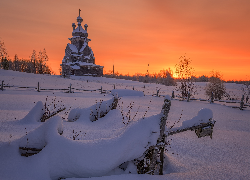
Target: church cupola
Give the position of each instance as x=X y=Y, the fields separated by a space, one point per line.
x=85 y=27
x=74 y=26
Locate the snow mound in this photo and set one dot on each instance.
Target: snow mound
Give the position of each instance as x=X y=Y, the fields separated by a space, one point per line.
x=92 y=113
x=69 y=158
x=39 y=137
x=167 y=97
x=126 y=92
x=204 y=116
x=63 y=157
x=34 y=115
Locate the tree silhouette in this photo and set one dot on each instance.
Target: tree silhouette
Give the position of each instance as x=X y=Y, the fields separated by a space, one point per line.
x=185 y=75
x=216 y=86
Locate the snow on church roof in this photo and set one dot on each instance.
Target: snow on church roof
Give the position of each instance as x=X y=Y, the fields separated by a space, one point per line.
x=87 y=57
x=88 y=64
x=73 y=48
x=83 y=46
x=79 y=29
x=75 y=67
x=79 y=63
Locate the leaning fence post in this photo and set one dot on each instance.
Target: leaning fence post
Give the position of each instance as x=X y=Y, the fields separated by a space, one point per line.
x=38 y=87
x=150 y=164
x=161 y=140
x=2 y=86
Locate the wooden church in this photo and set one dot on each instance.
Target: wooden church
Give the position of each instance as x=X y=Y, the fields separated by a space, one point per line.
x=79 y=58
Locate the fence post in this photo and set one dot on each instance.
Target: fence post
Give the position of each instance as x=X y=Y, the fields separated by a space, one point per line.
x=188 y=97
x=133 y=88
x=2 y=86
x=114 y=86
x=38 y=87
x=159 y=149
x=115 y=101
x=70 y=88
x=101 y=89
x=157 y=93
x=161 y=140
x=173 y=94
x=242 y=102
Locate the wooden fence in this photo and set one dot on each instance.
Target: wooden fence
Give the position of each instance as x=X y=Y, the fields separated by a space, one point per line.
x=242 y=105
x=39 y=89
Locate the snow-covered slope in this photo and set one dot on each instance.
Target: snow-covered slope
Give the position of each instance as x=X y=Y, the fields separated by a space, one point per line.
x=100 y=146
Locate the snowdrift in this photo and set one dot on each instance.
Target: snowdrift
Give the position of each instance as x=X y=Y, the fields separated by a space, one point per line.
x=226 y=156
x=93 y=113
x=62 y=157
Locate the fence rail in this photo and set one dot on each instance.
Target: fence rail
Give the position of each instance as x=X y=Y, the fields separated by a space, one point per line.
x=70 y=89
x=39 y=89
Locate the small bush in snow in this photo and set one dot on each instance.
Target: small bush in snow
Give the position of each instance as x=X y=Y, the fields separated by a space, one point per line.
x=215 y=86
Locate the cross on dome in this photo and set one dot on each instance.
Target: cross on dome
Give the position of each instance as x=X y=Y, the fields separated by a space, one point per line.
x=79 y=19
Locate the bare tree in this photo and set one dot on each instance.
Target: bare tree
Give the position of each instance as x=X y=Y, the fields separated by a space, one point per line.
x=3 y=50
x=15 y=63
x=185 y=75
x=33 y=59
x=42 y=59
x=3 y=56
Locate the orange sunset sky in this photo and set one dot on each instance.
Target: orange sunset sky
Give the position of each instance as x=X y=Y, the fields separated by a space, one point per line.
x=214 y=34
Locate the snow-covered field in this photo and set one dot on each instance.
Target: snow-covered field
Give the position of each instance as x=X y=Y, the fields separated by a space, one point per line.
x=96 y=149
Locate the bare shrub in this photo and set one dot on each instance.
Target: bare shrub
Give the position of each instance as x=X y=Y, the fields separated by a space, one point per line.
x=216 y=86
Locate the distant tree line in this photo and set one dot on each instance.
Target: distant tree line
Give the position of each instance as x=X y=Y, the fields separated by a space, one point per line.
x=163 y=77
x=37 y=64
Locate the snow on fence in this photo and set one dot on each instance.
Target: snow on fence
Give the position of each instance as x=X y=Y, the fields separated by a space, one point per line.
x=242 y=105
x=129 y=147
x=68 y=89
x=153 y=159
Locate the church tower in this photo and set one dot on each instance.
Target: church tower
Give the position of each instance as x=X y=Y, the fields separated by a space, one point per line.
x=79 y=58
